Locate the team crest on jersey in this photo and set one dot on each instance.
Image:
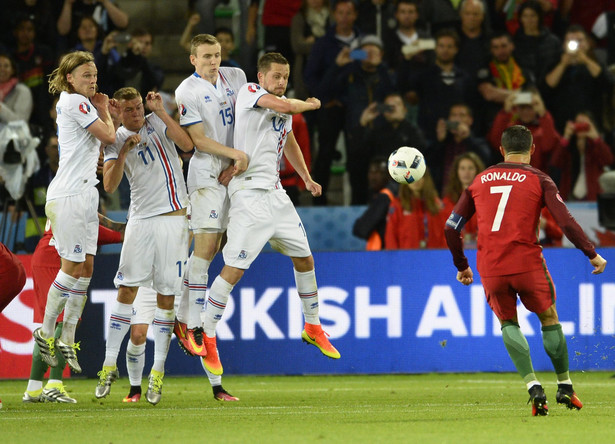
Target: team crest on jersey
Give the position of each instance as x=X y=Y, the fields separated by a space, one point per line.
x=182 y=109
x=77 y=249
x=84 y=107
x=253 y=87
x=242 y=254
x=229 y=92
x=207 y=99
x=213 y=214
x=150 y=130
x=120 y=276
x=559 y=198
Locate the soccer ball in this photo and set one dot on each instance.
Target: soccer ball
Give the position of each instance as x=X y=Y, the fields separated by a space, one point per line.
x=406 y=165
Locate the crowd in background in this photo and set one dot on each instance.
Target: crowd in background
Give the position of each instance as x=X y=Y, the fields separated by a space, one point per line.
x=444 y=76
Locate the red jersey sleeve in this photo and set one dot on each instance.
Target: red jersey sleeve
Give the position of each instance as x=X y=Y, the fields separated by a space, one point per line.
x=564 y=219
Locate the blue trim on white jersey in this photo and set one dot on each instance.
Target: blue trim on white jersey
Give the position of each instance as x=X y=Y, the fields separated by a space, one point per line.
x=89 y=124
x=173 y=196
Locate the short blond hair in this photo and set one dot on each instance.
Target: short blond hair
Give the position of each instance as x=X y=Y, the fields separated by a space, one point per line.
x=126 y=93
x=202 y=39
x=69 y=62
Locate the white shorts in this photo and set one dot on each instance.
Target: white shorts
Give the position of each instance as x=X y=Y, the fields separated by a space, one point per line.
x=258 y=216
x=154 y=253
x=144 y=306
x=209 y=209
x=74 y=222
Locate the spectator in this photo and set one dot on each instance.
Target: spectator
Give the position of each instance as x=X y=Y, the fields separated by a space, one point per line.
x=509 y=11
x=385 y=128
x=105 y=13
x=464 y=169
x=502 y=76
x=536 y=48
x=34 y=63
x=581 y=158
x=90 y=38
x=528 y=109
x=584 y=13
x=324 y=52
x=402 y=46
x=134 y=68
x=309 y=24
x=440 y=14
x=188 y=32
x=40 y=12
x=440 y=85
x=550 y=234
x=454 y=137
x=375 y=16
x=474 y=40
x=276 y=18
x=578 y=81
x=371 y=225
x=416 y=217
x=292 y=183
x=15 y=97
x=357 y=83
x=226 y=38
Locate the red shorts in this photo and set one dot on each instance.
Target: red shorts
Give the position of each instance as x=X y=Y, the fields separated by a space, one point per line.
x=12 y=276
x=535 y=289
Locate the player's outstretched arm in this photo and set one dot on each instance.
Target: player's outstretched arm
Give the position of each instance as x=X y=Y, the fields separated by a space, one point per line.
x=207 y=145
x=174 y=131
x=599 y=264
x=288 y=106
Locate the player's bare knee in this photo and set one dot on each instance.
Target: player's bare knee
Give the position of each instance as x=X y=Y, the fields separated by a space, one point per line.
x=549 y=317
x=138 y=334
x=231 y=275
x=126 y=295
x=303 y=264
x=165 y=302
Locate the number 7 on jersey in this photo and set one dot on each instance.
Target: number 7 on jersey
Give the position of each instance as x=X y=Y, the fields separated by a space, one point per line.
x=504 y=190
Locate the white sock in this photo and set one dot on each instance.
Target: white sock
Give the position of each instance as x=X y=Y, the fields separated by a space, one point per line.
x=216 y=303
x=531 y=384
x=58 y=294
x=34 y=385
x=308 y=292
x=163 y=326
x=567 y=381
x=73 y=309
x=119 y=324
x=135 y=362
x=197 y=289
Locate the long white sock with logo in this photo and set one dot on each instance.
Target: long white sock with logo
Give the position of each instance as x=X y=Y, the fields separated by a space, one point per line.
x=308 y=292
x=199 y=268
x=73 y=309
x=135 y=362
x=58 y=295
x=163 y=327
x=119 y=324
x=216 y=304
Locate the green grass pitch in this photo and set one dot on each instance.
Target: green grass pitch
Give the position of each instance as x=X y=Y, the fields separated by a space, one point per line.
x=432 y=408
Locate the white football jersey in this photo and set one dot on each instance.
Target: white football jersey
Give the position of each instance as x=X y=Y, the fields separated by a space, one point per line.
x=79 y=149
x=153 y=170
x=262 y=134
x=200 y=101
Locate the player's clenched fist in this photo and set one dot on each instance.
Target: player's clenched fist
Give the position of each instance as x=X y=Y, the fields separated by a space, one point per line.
x=131 y=142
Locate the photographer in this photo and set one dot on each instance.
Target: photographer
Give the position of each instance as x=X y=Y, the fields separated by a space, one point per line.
x=527 y=109
x=15 y=97
x=582 y=158
x=578 y=81
x=454 y=137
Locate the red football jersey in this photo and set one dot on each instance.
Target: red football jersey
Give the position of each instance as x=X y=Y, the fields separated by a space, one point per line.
x=507 y=199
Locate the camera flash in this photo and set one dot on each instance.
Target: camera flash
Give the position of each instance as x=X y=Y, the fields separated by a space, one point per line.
x=573 y=45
